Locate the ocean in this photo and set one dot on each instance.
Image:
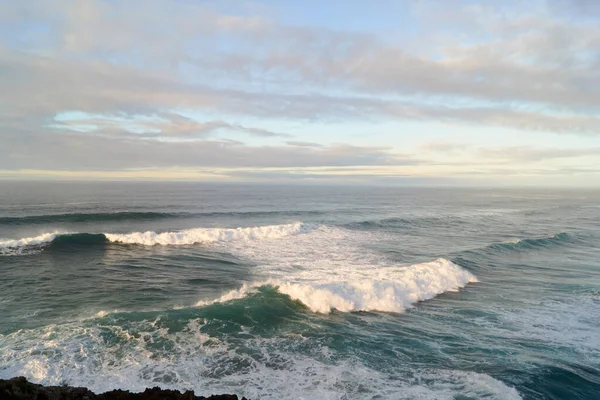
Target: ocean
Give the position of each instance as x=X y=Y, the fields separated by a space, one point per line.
x=302 y=292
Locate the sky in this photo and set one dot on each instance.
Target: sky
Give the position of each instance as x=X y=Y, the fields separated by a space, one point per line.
x=404 y=92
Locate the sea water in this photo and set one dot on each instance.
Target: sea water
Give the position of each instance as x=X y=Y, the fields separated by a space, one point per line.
x=302 y=292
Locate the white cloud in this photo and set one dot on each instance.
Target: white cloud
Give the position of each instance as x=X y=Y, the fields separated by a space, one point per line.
x=129 y=67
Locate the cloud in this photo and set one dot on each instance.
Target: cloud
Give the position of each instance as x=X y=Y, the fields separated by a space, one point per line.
x=303 y=144
x=64 y=150
x=524 y=154
x=43 y=87
x=443 y=147
x=508 y=159
x=532 y=71
x=162 y=126
x=128 y=76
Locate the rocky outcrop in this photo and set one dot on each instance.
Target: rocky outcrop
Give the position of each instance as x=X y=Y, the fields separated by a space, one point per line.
x=21 y=389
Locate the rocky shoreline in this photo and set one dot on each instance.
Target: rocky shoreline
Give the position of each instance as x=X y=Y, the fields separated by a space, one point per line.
x=21 y=389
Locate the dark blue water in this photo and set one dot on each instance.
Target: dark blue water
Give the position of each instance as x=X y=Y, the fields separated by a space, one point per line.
x=302 y=292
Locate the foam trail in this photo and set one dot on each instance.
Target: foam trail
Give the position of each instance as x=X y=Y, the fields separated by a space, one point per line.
x=208 y=235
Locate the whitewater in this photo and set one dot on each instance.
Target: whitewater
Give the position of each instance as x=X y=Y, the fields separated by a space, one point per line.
x=312 y=292
x=365 y=287
x=189 y=236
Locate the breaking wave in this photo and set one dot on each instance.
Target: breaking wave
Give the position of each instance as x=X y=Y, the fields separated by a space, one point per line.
x=29 y=241
x=32 y=245
x=184 y=237
x=204 y=235
x=390 y=289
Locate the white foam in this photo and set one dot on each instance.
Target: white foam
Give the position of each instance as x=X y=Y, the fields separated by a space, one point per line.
x=388 y=289
x=102 y=314
x=146 y=354
x=332 y=268
x=569 y=322
x=393 y=290
x=323 y=267
x=184 y=237
x=29 y=241
x=209 y=235
x=232 y=295
x=28 y=245
x=512 y=241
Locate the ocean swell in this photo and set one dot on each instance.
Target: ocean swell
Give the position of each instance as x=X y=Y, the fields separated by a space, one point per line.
x=534 y=243
x=85 y=217
x=88 y=217
x=407 y=223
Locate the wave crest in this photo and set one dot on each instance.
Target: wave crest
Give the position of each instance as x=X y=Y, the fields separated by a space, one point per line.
x=398 y=290
x=533 y=243
x=185 y=237
x=204 y=235
x=29 y=241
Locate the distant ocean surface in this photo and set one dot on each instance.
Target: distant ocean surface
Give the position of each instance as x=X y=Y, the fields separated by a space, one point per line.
x=302 y=292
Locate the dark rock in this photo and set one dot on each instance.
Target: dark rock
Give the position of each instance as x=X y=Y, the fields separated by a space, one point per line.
x=20 y=389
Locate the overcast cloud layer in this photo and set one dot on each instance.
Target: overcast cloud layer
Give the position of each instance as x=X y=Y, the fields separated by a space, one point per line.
x=478 y=92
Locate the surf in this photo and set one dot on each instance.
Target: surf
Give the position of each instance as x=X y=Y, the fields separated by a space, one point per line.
x=388 y=289
x=151 y=238
x=209 y=235
x=132 y=355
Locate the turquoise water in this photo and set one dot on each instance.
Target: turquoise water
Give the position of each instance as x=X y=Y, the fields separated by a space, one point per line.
x=302 y=292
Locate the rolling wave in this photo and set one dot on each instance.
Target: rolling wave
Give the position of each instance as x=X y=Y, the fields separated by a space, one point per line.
x=185 y=237
x=207 y=235
x=559 y=239
x=79 y=239
x=387 y=289
x=87 y=217
x=60 y=240
x=29 y=241
x=398 y=222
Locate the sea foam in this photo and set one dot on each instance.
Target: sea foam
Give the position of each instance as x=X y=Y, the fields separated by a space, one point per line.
x=333 y=268
x=208 y=235
x=28 y=245
x=400 y=289
x=184 y=237
x=388 y=289
x=29 y=241
x=268 y=368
